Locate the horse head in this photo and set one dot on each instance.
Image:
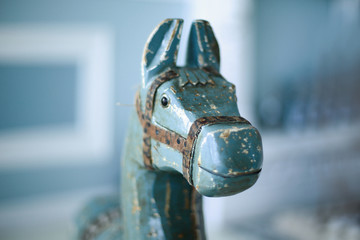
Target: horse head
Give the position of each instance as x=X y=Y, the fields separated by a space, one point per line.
x=191 y=123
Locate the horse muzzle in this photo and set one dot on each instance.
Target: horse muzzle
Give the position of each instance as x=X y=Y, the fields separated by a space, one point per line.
x=227 y=160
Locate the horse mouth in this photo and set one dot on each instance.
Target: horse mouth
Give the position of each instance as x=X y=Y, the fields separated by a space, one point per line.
x=232 y=174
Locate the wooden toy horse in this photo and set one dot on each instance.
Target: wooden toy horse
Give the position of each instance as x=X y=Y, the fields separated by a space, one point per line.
x=186 y=139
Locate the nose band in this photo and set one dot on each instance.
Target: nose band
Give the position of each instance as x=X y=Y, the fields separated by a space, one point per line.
x=186 y=146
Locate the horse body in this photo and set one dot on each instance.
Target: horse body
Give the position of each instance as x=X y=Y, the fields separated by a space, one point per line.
x=186 y=139
x=156 y=205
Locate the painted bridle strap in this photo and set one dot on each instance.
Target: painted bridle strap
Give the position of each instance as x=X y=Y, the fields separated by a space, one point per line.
x=184 y=145
x=151 y=130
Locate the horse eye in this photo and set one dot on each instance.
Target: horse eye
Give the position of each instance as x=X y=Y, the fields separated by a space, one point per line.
x=164 y=101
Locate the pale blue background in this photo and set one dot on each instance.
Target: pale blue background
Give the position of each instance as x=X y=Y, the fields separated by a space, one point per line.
x=306 y=67
x=132 y=21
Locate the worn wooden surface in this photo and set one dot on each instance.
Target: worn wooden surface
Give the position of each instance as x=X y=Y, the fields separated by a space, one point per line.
x=162 y=201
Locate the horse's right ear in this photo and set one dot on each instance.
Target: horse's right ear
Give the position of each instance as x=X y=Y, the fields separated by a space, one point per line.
x=203 y=49
x=161 y=48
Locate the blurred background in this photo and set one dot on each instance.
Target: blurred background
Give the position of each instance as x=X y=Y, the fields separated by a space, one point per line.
x=68 y=75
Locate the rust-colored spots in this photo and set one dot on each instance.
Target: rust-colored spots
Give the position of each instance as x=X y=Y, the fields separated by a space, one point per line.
x=201 y=59
x=136 y=207
x=186 y=198
x=152 y=234
x=173 y=89
x=190 y=80
x=258 y=148
x=211 y=81
x=167 y=199
x=224 y=135
x=232 y=89
x=212 y=106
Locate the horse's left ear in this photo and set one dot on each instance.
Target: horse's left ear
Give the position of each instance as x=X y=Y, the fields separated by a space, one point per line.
x=203 y=49
x=161 y=48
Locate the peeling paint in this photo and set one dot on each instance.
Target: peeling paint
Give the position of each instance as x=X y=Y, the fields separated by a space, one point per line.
x=258 y=148
x=173 y=89
x=167 y=199
x=152 y=234
x=224 y=135
x=136 y=207
x=201 y=59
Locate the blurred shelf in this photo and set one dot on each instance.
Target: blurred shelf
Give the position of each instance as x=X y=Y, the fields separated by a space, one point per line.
x=281 y=146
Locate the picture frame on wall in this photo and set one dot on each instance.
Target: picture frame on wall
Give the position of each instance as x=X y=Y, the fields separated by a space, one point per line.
x=47 y=69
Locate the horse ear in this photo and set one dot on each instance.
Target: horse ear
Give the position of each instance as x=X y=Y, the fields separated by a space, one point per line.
x=161 y=48
x=203 y=49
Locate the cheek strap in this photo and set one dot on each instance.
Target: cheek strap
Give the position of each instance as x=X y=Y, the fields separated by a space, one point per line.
x=186 y=146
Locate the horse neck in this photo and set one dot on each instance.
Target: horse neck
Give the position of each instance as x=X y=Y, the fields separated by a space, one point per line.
x=160 y=205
